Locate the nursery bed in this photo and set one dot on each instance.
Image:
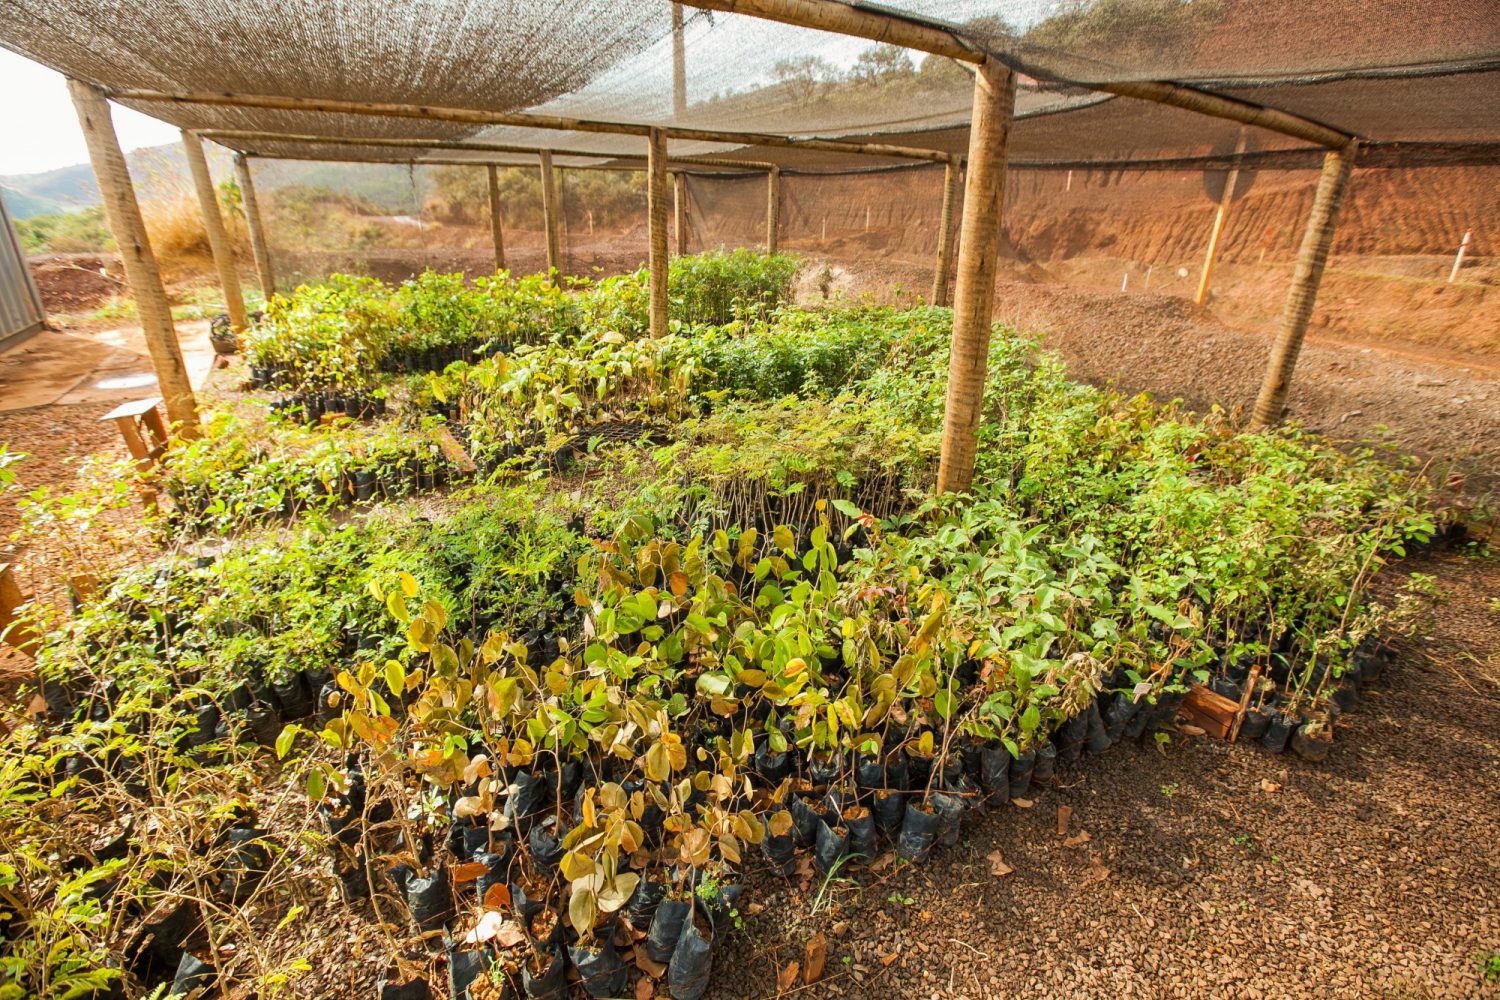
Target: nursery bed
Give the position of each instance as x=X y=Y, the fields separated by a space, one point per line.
x=700 y=611
x=1367 y=875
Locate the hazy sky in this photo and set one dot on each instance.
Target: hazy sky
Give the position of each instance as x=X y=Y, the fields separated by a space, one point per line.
x=39 y=128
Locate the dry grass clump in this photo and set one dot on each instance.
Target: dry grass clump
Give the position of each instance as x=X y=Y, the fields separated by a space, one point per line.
x=175 y=225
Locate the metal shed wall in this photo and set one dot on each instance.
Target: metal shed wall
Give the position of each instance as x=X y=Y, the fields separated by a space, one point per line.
x=21 y=312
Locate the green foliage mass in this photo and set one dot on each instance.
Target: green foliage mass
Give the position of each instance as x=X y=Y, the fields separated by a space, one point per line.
x=760 y=568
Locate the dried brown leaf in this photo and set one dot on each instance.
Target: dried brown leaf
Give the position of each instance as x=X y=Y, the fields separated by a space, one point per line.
x=788 y=976
x=466 y=873
x=1078 y=839
x=1064 y=816
x=644 y=962
x=1021 y=803
x=998 y=867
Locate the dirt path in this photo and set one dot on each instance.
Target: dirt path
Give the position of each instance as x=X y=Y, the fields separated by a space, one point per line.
x=1372 y=875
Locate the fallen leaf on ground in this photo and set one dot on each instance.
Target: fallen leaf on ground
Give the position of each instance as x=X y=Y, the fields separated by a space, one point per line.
x=888 y=959
x=786 y=977
x=645 y=963
x=755 y=909
x=1082 y=837
x=998 y=867
x=645 y=989
x=1064 y=814
x=1188 y=729
x=497 y=896
x=1021 y=803
x=883 y=862
x=1268 y=786
x=813 y=957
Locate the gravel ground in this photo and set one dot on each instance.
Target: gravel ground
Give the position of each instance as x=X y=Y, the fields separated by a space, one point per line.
x=1374 y=874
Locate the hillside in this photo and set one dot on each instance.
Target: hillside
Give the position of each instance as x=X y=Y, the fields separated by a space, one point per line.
x=161 y=170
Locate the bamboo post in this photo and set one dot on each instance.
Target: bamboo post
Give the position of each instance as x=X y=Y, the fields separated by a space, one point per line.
x=656 y=210
x=978 y=258
x=1458 y=261
x=213 y=225
x=1217 y=230
x=945 y=235
x=679 y=64
x=497 y=232
x=1311 y=259
x=550 y=211
x=141 y=273
x=259 y=248
x=773 y=209
x=679 y=212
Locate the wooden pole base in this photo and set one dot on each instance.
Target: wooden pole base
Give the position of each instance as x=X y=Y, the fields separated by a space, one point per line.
x=978 y=259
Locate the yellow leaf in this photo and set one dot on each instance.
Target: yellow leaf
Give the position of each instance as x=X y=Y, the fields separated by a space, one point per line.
x=408 y=584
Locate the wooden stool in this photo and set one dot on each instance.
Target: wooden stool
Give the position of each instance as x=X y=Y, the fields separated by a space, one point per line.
x=143 y=429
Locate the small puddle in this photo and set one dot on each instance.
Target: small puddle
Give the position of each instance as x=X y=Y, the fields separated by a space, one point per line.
x=126 y=382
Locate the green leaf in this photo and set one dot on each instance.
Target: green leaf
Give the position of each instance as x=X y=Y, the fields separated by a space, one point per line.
x=846 y=508
x=395 y=678
x=285 y=739
x=316 y=784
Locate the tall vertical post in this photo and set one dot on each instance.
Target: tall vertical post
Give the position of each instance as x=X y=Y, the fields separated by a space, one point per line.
x=141 y=273
x=259 y=248
x=550 y=211
x=679 y=212
x=1311 y=259
x=679 y=64
x=773 y=209
x=497 y=232
x=1218 y=226
x=945 y=235
x=213 y=225
x=656 y=210
x=978 y=259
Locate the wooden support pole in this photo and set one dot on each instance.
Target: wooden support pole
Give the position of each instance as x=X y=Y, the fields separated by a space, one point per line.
x=1230 y=180
x=213 y=225
x=656 y=211
x=141 y=273
x=1311 y=259
x=497 y=231
x=550 y=212
x=978 y=259
x=239 y=138
x=259 y=248
x=680 y=212
x=945 y=235
x=909 y=31
x=773 y=209
x=474 y=116
x=679 y=64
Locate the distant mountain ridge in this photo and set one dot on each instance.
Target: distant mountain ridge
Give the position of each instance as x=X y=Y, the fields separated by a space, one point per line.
x=162 y=171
